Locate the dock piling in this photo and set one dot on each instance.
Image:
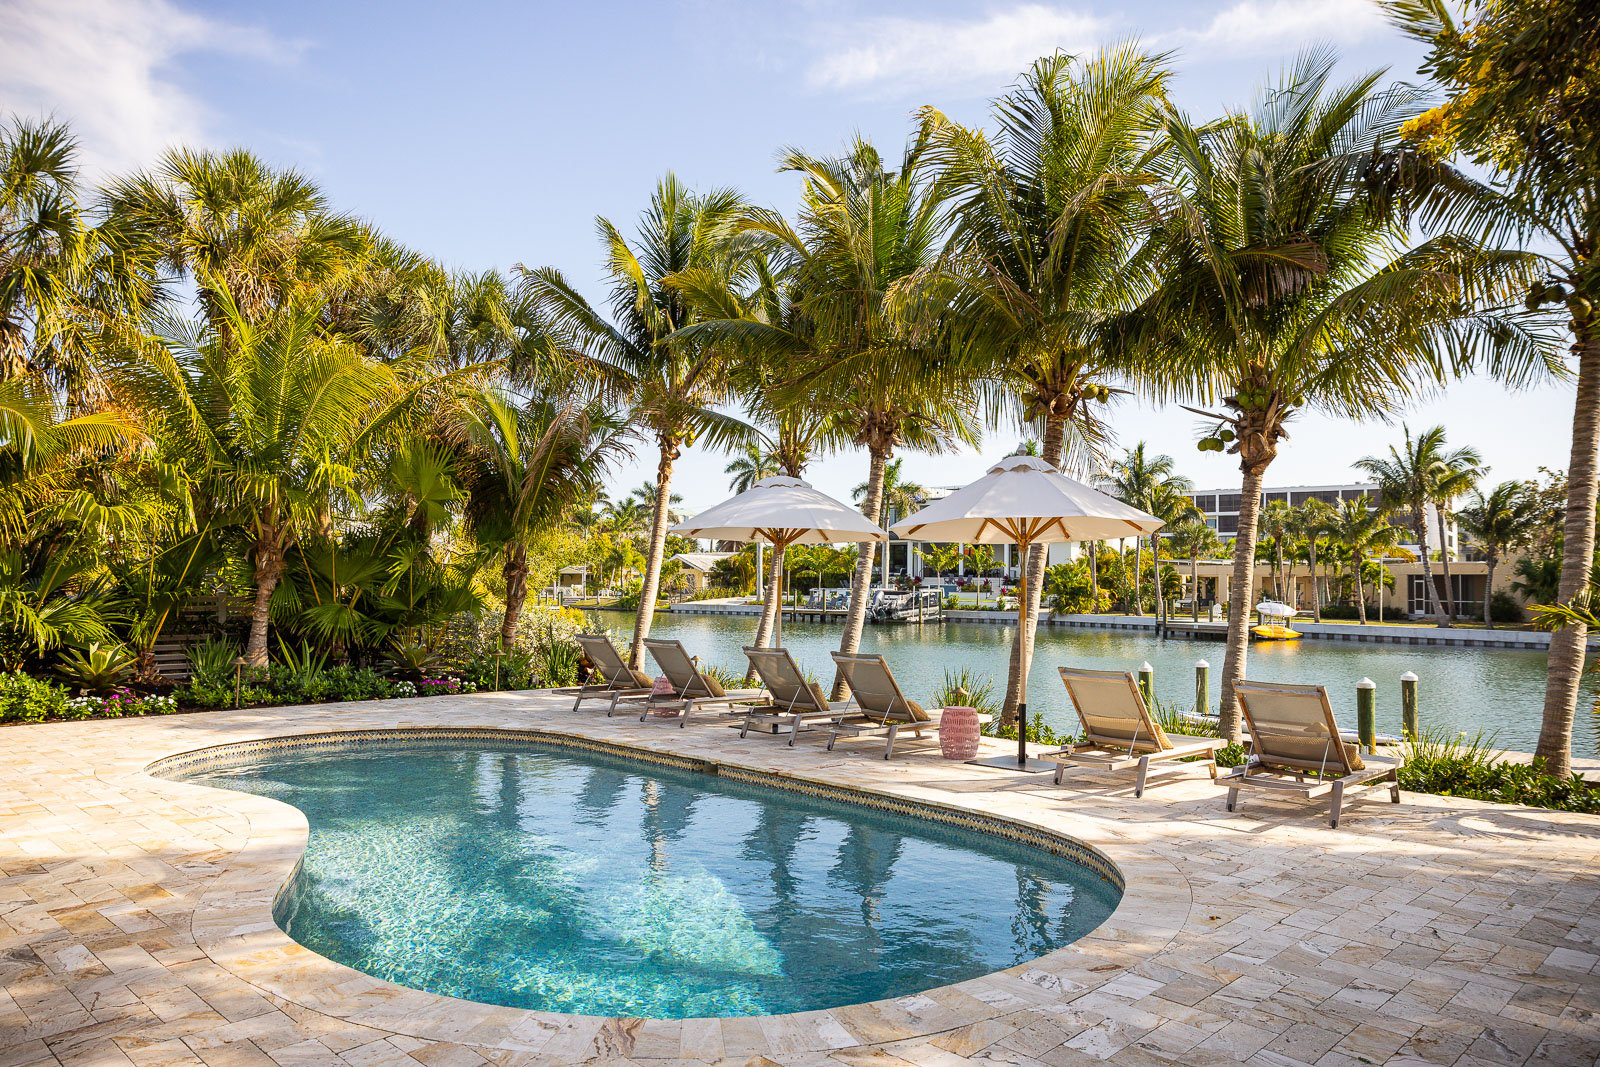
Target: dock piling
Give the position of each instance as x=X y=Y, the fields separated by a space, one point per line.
x=1366 y=717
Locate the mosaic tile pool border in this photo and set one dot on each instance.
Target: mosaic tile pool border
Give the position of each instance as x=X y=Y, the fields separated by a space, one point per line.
x=173 y=767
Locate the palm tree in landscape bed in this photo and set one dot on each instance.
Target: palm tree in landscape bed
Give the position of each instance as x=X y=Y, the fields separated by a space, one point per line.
x=1274 y=523
x=1499 y=522
x=1049 y=209
x=671 y=388
x=1278 y=291
x=1362 y=529
x=1407 y=479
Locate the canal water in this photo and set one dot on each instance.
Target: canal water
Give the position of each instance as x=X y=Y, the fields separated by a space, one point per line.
x=1499 y=691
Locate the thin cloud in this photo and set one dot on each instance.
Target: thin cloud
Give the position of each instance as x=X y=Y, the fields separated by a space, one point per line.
x=918 y=53
x=105 y=67
x=1256 y=26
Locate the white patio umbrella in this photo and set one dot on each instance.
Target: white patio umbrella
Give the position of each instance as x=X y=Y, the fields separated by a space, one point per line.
x=1024 y=501
x=782 y=511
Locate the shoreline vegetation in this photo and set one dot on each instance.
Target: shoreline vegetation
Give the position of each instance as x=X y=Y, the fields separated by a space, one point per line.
x=249 y=433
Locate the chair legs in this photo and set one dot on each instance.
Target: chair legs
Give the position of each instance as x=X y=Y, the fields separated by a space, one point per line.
x=1144 y=769
x=888 y=746
x=1061 y=772
x=1233 y=799
x=1335 y=801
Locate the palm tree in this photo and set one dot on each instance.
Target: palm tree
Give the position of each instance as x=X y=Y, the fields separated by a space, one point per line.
x=1360 y=528
x=1310 y=521
x=899 y=498
x=1458 y=476
x=526 y=463
x=1193 y=537
x=1151 y=484
x=1500 y=522
x=645 y=495
x=1274 y=294
x=862 y=228
x=1275 y=521
x=268 y=414
x=749 y=466
x=1407 y=480
x=1049 y=207
x=670 y=386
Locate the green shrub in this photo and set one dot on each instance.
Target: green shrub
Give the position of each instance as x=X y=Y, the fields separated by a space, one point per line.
x=976 y=691
x=211 y=663
x=558 y=656
x=25 y=699
x=97 y=669
x=1038 y=732
x=1507 y=608
x=515 y=671
x=1455 y=766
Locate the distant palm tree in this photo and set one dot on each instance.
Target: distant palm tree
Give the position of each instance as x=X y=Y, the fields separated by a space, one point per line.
x=1193 y=537
x=900 y=498
x=1310 y=522
x=646 y=494
x=751 y=464
x=1408 y=478
x=671 y=388
x=1459 y=475
x=1275 y=522
x=1151 y=484
x=1361 y=529
x=1500 y=522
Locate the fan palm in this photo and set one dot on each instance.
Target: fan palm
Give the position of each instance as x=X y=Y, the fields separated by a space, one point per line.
x=1408 y=479
x=526 y=461
x=1280 y=290
x=1499 y=522
x=269 y=414
x=1361 y=529
x=1049 y=207
x=669 y=384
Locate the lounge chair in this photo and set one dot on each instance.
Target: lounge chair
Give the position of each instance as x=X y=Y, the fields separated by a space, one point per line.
x=1295 y=747
x=795 y=702
x=691 y=687
x=1118 y=731
x=882 y=708
x=617 y=679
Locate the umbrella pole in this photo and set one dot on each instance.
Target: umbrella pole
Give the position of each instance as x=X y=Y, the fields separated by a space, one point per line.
x=1022 y=692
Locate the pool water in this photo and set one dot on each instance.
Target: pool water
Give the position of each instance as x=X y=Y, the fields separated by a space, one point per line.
x=1496 y=690
x=562 y=881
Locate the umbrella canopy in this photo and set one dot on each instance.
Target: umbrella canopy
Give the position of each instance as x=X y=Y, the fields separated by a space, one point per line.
x=782 y=510
x=1024 y=500
x=1274 y=610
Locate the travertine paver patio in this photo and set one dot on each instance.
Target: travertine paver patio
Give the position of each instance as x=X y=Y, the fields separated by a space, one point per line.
x=136 y=925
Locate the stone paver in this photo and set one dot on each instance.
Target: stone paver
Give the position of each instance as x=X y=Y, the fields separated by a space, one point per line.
x=135 y=922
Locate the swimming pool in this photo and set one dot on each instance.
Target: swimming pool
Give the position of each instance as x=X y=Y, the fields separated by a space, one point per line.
x=558 y=880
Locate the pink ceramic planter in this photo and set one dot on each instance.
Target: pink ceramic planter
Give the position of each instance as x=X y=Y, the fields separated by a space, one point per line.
x=958 y=733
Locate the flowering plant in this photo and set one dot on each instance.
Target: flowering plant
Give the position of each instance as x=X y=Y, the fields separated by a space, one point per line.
x=429 y=687
x=117 y=703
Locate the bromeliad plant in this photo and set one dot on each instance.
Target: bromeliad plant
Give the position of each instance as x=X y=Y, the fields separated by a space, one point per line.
x=96 y=670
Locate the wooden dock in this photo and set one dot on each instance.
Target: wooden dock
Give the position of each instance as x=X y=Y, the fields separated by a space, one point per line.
x=1204 y=630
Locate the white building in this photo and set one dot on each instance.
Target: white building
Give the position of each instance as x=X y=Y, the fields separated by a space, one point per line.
x=1221 y=508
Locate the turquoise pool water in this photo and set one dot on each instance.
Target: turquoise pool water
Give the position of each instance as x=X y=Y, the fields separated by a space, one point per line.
x=562 y=881
x=1499 y=691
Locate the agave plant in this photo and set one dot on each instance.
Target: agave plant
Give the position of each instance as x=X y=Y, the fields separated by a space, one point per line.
x=96 y=670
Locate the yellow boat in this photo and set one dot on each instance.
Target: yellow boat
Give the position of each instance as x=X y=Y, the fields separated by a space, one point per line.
x=1275 y=632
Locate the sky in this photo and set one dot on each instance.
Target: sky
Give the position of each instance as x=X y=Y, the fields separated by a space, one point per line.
x=491 y=134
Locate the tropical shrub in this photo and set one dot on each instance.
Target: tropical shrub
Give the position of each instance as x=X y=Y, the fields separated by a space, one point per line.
x=964 y=687
x=514 y=670
x=25 y=699
x=211 y=663
x=1458 y=766
x=414 y=661
x=1507 y=608
x=120 y=703
x=97 y=669
x=438 y=687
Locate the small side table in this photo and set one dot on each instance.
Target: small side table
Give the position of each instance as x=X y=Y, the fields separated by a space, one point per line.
x=958 y=733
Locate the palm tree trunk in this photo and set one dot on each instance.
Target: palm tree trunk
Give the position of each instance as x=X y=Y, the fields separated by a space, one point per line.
x=268 y=572
x=1488 y=590
x=1055 y=436
x=1194 y=587
x=1316 y=594
x=1361 y=592
x=516 y=575
x=773 y=602
x=861 y=582
x=1567 y=645
x=1239 y=598
x=1444 y=563
x=1155 y=569
x=1138 y=575
x=658 y=548
x=1427 y=569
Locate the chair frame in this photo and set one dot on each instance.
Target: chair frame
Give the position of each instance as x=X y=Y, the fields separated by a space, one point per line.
x=866 y=720
x=617 y=672
x=1274 y=774
x=693 y=694
x=788 y=712
x=1118 y=754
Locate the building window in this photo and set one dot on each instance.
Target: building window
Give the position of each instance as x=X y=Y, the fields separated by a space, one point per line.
x=1227 y=524
x=1228 y=502
x=1206 y=502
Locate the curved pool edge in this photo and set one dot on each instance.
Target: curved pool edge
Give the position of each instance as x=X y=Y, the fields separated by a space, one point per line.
x=233 y=920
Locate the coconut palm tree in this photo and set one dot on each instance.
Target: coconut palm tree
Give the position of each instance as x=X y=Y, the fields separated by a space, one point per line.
x=748 y=466
x=1148 y=483
x=1361 y=528
x=1049 y=208
x=269 y=414
x=1279 y=290
x=1499 y=522
x=1310 y=522
x=862 y=227
x=1194 y=538
x=1459 y=474
x=899 y=498
x=670 y=385
x=1275 y=521
x=525 y=463
x=1407 y=480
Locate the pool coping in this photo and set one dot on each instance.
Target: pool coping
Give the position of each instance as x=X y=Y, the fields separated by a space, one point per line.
x=233 y=921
